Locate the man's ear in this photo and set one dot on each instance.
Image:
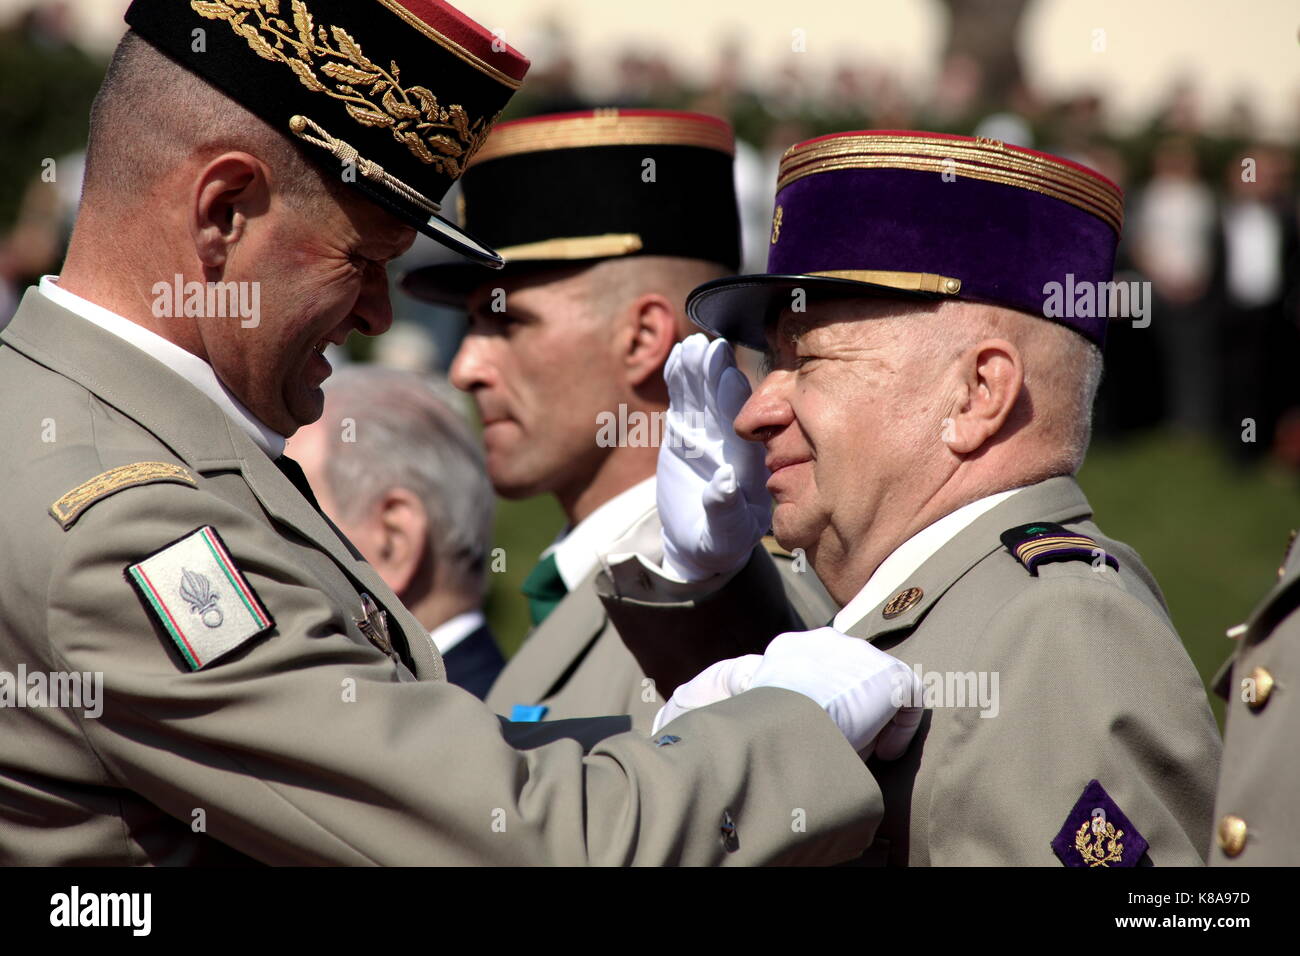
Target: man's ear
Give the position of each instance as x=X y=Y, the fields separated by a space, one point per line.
x=991 y=377
x=652 y=332
x=228 y=189
x=403 y=538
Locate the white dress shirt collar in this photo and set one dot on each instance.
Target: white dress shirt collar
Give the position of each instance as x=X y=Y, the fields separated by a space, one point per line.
x=451 y=632
x=188 y=366
x=578 y=550
x=910 y=555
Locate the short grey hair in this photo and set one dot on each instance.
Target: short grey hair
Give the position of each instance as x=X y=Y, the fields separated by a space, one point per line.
x=410 y=431
x=152 y=113
x=1063 y=369
x=1087 y=359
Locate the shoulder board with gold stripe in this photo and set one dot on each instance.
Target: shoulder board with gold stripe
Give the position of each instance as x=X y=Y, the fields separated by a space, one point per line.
x=67 y=509
x=1043 y=542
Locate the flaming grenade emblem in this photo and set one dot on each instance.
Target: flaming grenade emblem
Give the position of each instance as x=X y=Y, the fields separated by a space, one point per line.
x=198 y=594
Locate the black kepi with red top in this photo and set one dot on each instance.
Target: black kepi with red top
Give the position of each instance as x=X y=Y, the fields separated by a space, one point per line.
x=573 y=188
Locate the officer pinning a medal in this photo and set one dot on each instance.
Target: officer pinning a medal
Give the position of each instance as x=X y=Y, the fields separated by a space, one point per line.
x=605 y=220
x=257 y=673
x=918 y=429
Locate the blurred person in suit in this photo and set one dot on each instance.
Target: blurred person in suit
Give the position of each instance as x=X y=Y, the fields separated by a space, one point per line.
x=1173 y=237
x=395 y=466
x=1257 y=249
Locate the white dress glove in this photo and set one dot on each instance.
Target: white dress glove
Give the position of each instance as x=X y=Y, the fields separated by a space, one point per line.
x=711 y=483
x=716 y=682
x=860 y=687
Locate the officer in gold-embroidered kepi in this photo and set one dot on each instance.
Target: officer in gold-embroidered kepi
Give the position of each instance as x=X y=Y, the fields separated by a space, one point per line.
x=266 y=697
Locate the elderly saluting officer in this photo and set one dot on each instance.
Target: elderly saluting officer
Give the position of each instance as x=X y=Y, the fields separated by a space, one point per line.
x=265 y=696
x=918 y=428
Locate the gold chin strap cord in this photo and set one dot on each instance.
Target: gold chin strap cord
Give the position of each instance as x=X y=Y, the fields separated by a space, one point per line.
x=911 y=281
x=345 y=153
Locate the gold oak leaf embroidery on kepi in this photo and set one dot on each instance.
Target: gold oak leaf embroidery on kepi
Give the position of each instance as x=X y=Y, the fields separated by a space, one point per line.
x=441 y=136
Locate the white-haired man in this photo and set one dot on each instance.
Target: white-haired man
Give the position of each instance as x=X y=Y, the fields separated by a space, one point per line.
x=394 y=464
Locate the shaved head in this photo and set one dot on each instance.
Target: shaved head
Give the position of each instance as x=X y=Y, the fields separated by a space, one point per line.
x=152 y=114
x=613 y=283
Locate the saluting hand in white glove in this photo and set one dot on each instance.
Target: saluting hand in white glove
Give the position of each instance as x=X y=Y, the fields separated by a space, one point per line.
x=711 y=483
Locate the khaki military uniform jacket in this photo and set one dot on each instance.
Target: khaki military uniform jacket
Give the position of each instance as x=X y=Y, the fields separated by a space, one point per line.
x=308 y=744
x=576 y=664
x=1093 y=684
x=1259 y=785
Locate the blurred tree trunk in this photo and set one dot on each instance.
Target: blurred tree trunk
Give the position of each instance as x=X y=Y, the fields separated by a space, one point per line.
x=987 y=30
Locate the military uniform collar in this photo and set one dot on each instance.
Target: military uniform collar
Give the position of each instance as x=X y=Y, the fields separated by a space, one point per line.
x=172 y=409
x=579 y=550
x=910 y=555
x=548 y=655
x=1280 y=601
x=188 y=366
x=1057 y=499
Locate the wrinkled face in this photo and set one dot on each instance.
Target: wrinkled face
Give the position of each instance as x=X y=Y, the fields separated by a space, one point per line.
x=320 y=273
x=848 y=418
x=541 y=365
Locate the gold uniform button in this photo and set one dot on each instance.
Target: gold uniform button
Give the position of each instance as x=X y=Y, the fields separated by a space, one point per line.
x=1263 y=688
x=1286 y=555
x=1232 y=835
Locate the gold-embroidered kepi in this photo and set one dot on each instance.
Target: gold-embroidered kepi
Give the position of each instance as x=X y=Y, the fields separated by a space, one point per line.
x=393 y=96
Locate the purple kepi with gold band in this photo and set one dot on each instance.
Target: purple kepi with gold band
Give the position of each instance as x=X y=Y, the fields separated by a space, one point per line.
x=928 y=216
x=393 y=96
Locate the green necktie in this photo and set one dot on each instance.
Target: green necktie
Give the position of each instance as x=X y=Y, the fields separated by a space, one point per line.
x=544 y=589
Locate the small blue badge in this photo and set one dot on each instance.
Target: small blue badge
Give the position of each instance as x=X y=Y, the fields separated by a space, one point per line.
x=527 y=713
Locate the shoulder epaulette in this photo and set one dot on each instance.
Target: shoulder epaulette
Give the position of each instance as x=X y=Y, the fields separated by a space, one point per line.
x=70 y=507
x=1044 y=542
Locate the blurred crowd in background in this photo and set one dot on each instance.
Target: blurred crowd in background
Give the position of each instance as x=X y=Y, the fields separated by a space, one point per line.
x=1212 y=218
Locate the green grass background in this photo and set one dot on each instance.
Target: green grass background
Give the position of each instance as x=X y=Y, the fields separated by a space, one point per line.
x=523 y=530
x=1212 y=533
